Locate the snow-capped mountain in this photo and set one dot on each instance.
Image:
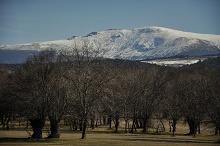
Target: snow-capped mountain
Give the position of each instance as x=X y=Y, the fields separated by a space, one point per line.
x=132 y=44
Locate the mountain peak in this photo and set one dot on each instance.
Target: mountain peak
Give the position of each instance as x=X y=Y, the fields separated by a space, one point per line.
x=136 y=44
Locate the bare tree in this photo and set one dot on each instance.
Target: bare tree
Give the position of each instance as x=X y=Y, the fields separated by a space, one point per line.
x=194 y=90
x=9 y=103
x=113 y=103
x=172 y=104
x=155 y=80
x=87 y=76
x=131 y=85
x=57 y=101
x=213 y=101
x=36 y=84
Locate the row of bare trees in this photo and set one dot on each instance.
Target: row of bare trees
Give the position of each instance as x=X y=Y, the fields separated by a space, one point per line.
x=83 y=86
x=194 y=93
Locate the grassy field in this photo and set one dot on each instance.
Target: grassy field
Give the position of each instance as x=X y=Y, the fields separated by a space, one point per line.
x=104 y=136
x=100 y=137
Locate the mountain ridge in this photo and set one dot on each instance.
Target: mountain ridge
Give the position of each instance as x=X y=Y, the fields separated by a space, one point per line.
x=135 y=44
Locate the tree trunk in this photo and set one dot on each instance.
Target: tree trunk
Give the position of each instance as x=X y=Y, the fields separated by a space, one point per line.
x=134 y=122
x=2 y=119
x=80 y=125
x=163 y=127
x=7 y=123
x=137 y=125
x=104 y=120
x=110 y=122
x=192 y=126
x=174 y=126
x=37 y=125
x=100 y=121
x=145 y=124
x=195 y=129
x=93 y=122
x=141 y=123
x=170 y=125
x=96 y=124
x=133 y=127
x=198 y=125
x=54 y=128
x=75 y=125
x=3 y=123
x=116 y=123
x=217 y=129
x=84 y=129
x=126 y=126
x=84 y=124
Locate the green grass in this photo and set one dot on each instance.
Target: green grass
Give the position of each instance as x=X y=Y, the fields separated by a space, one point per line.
x=102 y=136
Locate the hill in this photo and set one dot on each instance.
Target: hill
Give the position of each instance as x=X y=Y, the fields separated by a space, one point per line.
x=132 y=44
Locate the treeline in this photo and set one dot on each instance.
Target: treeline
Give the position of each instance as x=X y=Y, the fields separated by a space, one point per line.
x=83 y=88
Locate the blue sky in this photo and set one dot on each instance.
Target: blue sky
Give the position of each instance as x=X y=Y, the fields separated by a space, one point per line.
x=26 y=21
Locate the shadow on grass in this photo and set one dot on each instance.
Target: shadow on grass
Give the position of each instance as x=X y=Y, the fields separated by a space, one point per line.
x=175 y=140
x=152 y=137
x=10 y=139
x=111 y=131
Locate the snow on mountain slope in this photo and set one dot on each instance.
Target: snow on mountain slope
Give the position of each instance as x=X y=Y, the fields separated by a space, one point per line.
x=135 y=44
